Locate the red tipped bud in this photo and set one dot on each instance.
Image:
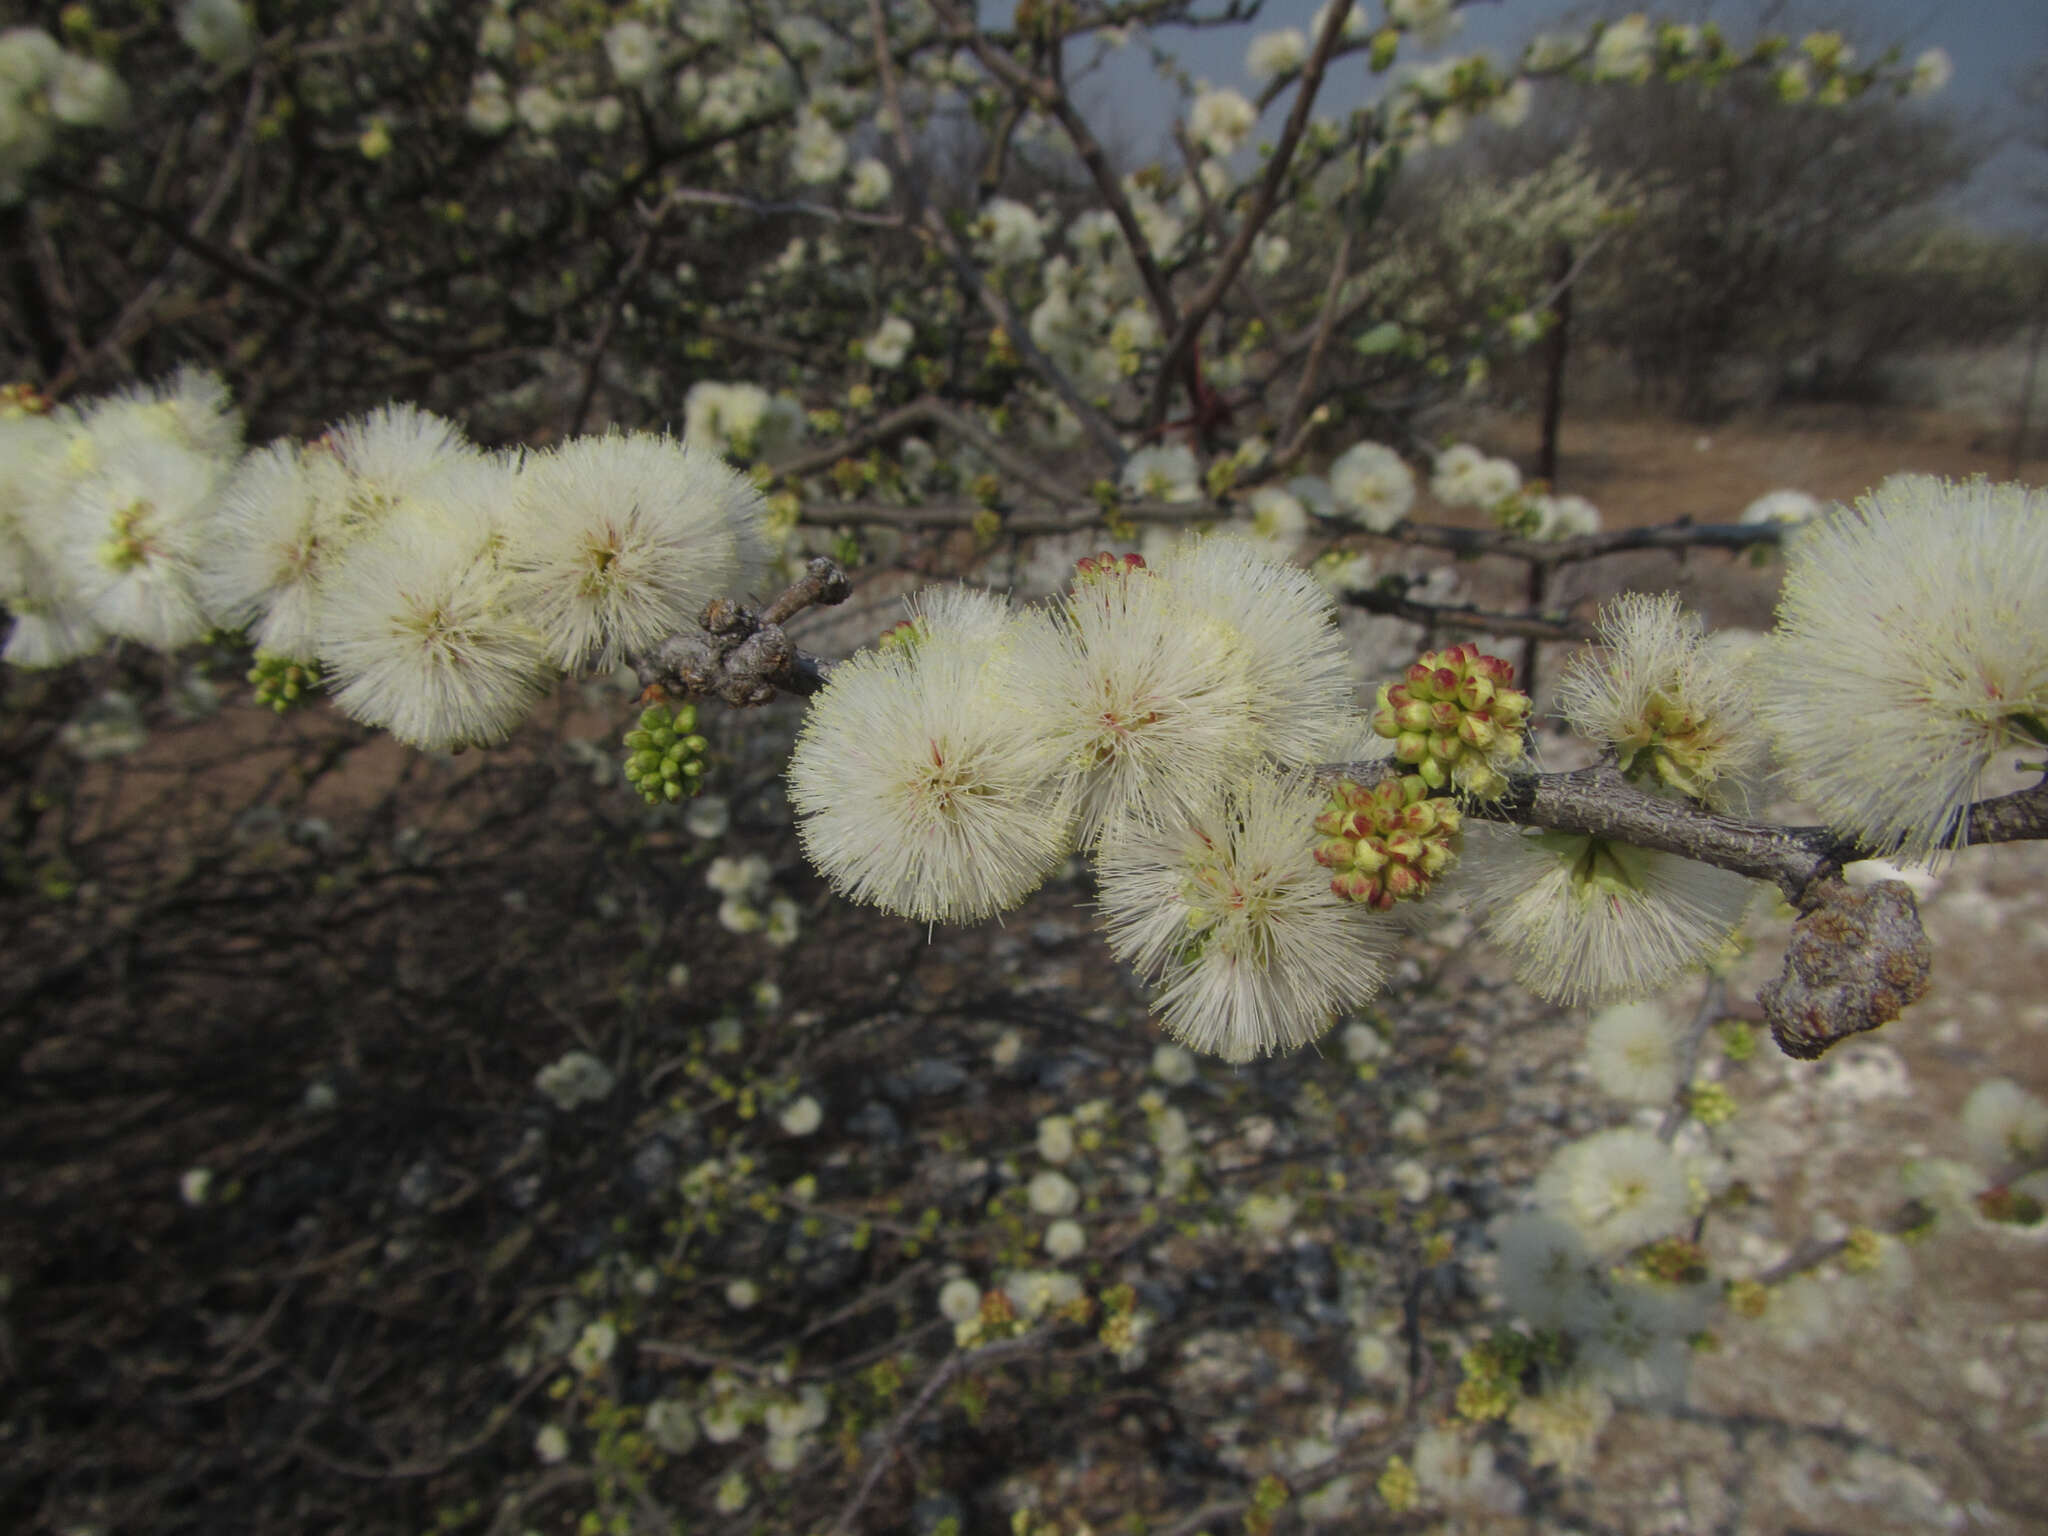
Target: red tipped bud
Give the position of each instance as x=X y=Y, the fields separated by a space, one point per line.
x=1478 y=731
x=1402 y=883
x=1475 y=692
x=1333 y=853
x=1411 y=747
x=1353 y=886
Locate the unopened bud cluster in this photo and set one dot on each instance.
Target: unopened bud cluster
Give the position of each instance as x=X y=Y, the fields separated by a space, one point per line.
x=1456 y=720
x=282 y=682
x=1386 y=843
x=664 y=756
x=1093 y=567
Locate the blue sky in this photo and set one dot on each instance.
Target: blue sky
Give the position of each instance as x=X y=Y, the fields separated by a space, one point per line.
x=1989 y=40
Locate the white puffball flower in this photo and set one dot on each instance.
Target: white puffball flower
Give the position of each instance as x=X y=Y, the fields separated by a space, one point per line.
x=1616 y=1188
x=792 y=1418
x=111 y=726
x=633 y=51
x=30 y=59
x=269 y=548
x=1056 y=1138
x=1632 y=1052
x=1412 y=1180
x=738 y=877
x=817 y=153
x=1911 y=650
x=1784 y=506
x=1452 y=1466
x=1547 y=1277
x=1640 y=1348
x=736 y=915
x=671 y=1425
x=785 y=923
x=1052 y=1193
x=959 y=1300
x=540 y=109
x=1282 y=624
x=1009 y=233
x=734 y=1494
x=1592 y=921
x=742 y=1294
x=1677 y=710
x=870 y=184
x=618 y=541
x=194 y=1185
x=920 y=783
x=1170 y=1132
x=134 y=533
x=1035 y=1292
x=86 y=94
x=550 y=1445
x=890 y=344
x=1373 y=485
x=708 y=817
x=1173 y=1065
x=2004 y=1123
x=1273 y=54
x=1510 y=109
x=1163 y=472
x=1492 y=481
x=1932 y=72
x=803 y=1117
x=593 y=1347
x=1565 y=517
x=1230 y=916
x=489 y=110
x=1278 y=521
x=419 y=636
x=573 y=1080
x=607 y=114
x=1065 y=1240
x=1410 y=1123
x=1144 y=699
x=1626 y=49
x=1267 y=1216
x=217 y=30
x=1452 y=476
x=1563 y=1424
x=1363 y=1043
x=1432 y=21
x=1219 y=120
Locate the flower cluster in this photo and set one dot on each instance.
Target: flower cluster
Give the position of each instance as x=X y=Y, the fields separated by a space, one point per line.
x=1386 y=843
x=435 y=589
x=1159 y=718
x=45 y=88
x=1457 y=720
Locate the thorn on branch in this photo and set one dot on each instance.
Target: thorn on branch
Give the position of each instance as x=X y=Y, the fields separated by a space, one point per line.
x=1857 y=959
x=745 y=658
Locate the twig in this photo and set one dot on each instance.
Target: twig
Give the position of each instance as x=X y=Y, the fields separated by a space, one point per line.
x=1399 y=605
x=1712 y=1006
x=1180 y=350
x=954 y=1366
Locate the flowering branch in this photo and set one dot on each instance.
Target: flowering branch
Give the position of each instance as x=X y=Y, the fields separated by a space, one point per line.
x=1180 y=349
